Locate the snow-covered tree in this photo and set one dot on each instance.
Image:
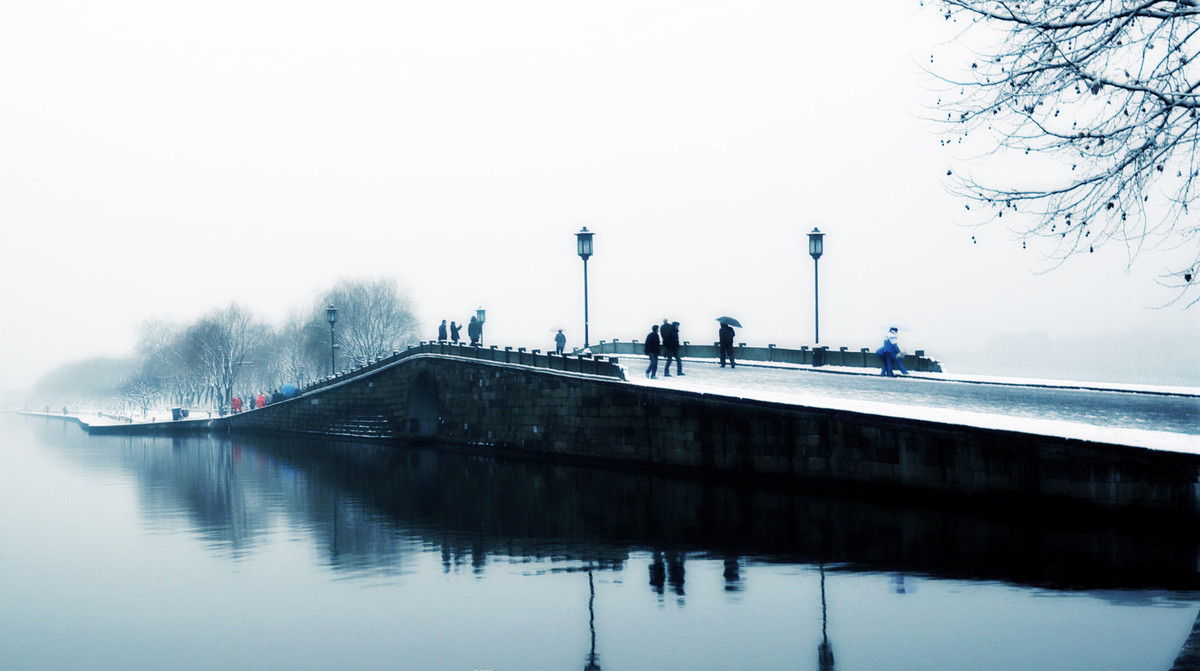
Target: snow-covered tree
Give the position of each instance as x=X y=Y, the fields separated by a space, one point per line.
x=217 y=347
x=141 y=391
x=375 y=317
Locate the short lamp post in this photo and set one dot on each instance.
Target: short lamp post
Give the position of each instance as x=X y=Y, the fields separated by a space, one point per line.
x=584 y=242
x=480 y=315
x=331 y=316
x=816 y=247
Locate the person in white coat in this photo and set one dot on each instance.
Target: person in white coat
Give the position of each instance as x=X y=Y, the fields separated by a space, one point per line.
x=889 y=354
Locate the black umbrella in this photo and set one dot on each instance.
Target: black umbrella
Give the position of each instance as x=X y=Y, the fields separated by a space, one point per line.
x=730 y=320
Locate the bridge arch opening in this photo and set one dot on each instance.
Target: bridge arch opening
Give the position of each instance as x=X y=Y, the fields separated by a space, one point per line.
x=422 y=416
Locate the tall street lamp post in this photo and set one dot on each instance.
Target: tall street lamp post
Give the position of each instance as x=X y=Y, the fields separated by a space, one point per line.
x=816 y=246
x=331 y=316
x=584 y=247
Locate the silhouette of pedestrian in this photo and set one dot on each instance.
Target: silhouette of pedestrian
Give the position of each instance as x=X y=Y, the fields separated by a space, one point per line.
x=652 y=348
x=560 y=342
x=454 y=329
x=725 y=337
x=474 y=331
x=670 y=346
x=442 y=331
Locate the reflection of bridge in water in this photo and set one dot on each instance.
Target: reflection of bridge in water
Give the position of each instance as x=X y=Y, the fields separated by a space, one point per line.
x=366 y=495
x=370 y=506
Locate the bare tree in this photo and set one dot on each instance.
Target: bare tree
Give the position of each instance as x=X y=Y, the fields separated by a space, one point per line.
x=204 y=361
x=140 y=391
x=375 y=317
x=163 y=348
x=217 y=347
x=1108 y=91
x=292 y=358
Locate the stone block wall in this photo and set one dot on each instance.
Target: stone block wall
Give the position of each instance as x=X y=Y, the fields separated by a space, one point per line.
x=492 y=408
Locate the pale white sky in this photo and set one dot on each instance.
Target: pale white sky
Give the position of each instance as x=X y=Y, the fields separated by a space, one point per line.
x=163 y=159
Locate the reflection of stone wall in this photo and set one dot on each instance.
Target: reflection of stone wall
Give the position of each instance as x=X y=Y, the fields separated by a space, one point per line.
x=367 y=505
x=491 y=408
x=469 y=506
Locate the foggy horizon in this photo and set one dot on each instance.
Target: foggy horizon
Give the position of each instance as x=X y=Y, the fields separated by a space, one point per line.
x=166 y=161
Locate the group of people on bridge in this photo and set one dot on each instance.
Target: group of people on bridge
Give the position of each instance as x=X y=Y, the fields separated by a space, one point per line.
x=474 y=332
x=237 y=404
x=663 y=340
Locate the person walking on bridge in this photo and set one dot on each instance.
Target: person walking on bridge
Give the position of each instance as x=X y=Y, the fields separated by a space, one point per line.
x=652 y=348
x=454 y=329
x=670 y=345
x=442 y=331
x=725 y=337
x=889 y=354
x=475 y=331
x=560 y=343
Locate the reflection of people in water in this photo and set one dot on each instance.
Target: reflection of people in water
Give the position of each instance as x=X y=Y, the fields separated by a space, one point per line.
x=667 y=571
x=675 y=573
x=733 y=578
x=658 y=573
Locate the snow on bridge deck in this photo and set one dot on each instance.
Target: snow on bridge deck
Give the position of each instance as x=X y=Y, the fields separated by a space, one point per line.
x=1154 y=417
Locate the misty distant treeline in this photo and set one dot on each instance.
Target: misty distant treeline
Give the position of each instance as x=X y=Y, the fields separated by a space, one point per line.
x=233 y=351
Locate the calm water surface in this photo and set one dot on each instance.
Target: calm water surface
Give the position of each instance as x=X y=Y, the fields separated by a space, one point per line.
x=207 y=553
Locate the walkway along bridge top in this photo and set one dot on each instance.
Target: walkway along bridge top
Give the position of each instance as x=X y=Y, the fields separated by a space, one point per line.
x=503 y=402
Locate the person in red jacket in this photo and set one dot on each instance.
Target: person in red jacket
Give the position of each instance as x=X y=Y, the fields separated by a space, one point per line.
x=261 y=401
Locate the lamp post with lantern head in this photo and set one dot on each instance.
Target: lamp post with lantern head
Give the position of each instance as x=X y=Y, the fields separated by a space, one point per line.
x=331 y=316
x=584 y=247
x=816 y=247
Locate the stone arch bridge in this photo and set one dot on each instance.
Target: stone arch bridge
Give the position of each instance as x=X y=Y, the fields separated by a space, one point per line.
x=503 y=402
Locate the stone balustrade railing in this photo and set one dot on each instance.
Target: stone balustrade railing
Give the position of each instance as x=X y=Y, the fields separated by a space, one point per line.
x=818 y=356
x=587 y=363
